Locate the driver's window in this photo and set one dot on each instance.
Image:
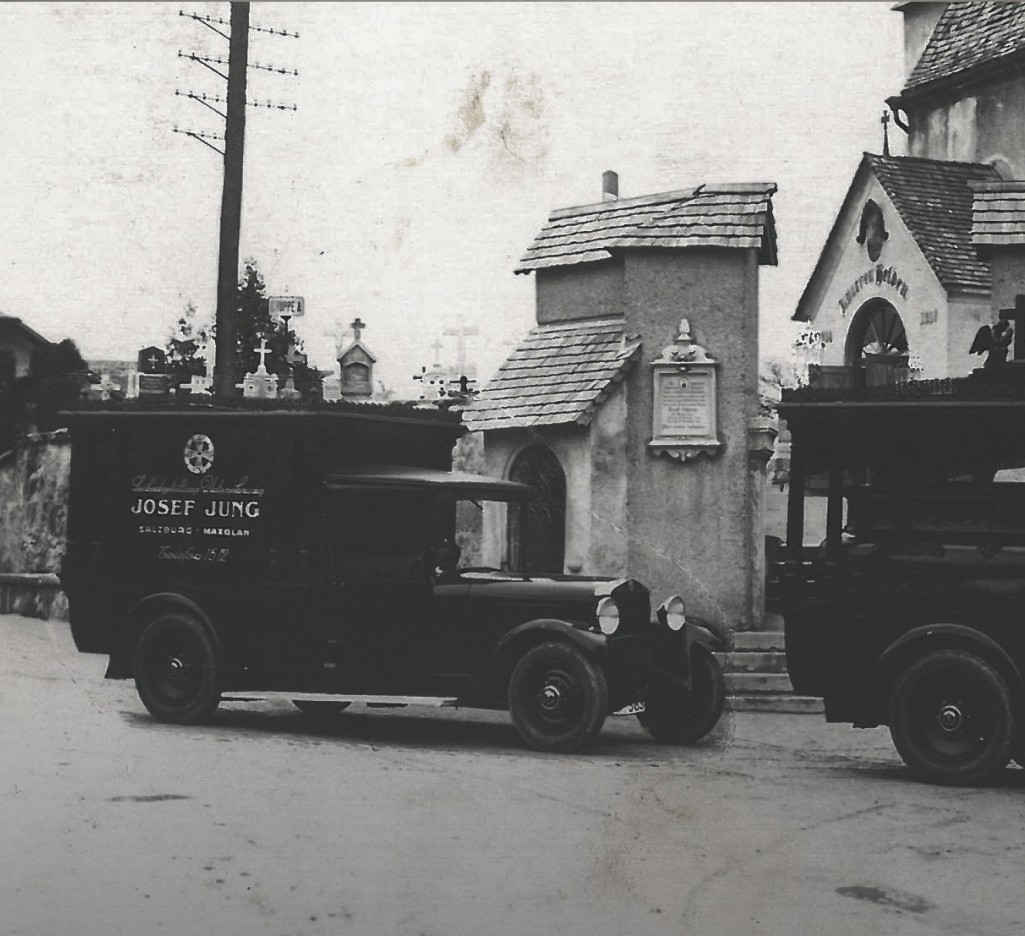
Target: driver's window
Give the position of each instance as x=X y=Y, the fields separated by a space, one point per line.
x=379 y=535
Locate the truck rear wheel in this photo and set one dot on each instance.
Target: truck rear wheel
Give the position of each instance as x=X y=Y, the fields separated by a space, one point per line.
x=674 y=715
x=952 y=718
x=558 y=697
x=175 y=667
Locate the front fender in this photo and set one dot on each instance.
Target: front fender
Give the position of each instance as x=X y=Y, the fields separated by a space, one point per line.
x=709 y=635
x=141 y=613
x=937 y=636
x=537 y=631
x=489 y=690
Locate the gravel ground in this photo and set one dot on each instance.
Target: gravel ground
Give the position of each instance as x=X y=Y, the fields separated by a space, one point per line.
x=441 y=823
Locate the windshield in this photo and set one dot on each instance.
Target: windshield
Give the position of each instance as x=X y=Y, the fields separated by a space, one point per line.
x=473 y=533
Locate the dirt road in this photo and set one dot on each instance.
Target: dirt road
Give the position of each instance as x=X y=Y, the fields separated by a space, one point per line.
x=441 y=823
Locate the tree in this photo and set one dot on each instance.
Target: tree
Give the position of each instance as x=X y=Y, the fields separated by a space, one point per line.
x=255 y=326
x=187 y=345
x=57 y=376
x=185 y=348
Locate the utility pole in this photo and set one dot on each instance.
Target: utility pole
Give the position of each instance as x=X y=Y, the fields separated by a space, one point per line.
x=225 y=377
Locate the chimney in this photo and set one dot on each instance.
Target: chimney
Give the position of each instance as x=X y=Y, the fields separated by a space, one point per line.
x=609 y=185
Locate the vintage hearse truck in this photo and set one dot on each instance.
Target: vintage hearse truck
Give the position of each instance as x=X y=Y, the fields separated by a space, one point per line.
x=910 y=612
x=225 y=553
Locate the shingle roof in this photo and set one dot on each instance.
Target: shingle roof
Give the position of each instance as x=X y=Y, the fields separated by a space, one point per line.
x=998 y=213
x=558 y=374
x=934 y=201
x=707 y=216
x=968 y=35
x=12 y=325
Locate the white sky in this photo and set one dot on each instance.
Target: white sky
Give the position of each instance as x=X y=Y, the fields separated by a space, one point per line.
x=385 y=195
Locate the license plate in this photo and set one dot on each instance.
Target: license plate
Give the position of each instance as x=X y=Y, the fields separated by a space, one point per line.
x=634 y=708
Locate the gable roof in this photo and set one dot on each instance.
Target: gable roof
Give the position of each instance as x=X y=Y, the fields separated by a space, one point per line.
x=707 y=216
x=11 y=325
x=998 y=213
x=934 y=201
x=968 y=36
x=344 y=357
x=559 y=374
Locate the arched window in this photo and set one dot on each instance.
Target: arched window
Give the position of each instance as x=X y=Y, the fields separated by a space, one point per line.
x=877 y=345
x=537 y=535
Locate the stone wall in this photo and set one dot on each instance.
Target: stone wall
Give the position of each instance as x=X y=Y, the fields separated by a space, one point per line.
x=33 y=503
x=33 y=524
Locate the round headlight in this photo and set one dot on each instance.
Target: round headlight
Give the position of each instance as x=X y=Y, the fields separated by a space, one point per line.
x=675 y=612
x=608 y=616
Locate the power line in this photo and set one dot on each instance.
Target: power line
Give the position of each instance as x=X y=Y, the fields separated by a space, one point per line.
x=210 y=20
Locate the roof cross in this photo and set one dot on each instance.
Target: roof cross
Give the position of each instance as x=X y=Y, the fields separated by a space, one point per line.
x=263 y=351
x=357 y=326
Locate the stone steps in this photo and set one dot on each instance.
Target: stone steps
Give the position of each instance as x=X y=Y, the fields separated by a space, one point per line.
x=756 y=676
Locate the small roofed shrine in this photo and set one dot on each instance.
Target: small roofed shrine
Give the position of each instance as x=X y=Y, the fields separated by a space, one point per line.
x=631 y=407
x=356 y=365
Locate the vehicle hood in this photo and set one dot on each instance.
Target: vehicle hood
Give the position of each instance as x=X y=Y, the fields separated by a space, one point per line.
x=569 y=596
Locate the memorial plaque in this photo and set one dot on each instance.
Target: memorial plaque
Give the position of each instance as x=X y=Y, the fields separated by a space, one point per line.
x=685 y=405
x=154 y=385
x=684 y=415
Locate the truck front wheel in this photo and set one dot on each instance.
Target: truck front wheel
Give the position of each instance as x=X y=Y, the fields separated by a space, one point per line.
x=952 y=718
x=558 y=697
x=674 y=715
x=175 y=667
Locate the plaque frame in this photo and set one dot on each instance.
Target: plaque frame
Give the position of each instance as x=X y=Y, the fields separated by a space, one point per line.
x=685 y=362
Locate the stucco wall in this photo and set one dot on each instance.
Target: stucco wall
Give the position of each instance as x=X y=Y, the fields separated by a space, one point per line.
x=20 y=351
x=966 y=315
x=608 y=550
x=693 y=524
x=33 y=504
x=570 y=445
x=981 y=127
x=1008 y=277
x=592 y=290
x=854 y=279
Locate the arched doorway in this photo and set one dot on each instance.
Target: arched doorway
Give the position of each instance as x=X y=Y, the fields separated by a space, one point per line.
x=877 y=345
x=537 y=534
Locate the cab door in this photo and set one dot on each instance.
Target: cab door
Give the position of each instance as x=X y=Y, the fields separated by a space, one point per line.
x=375 y=591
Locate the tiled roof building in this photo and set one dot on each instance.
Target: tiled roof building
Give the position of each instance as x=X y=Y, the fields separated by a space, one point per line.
x=970 y=36
x=644 y=356
x=563 y=370
x=705 y=216
x=998 y=214
x=559 y=373
x=934 y=200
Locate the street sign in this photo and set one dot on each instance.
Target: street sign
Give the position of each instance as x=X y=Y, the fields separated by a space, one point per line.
x=286 y=306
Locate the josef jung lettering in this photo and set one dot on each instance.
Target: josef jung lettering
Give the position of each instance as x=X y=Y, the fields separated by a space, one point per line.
x=186 y=507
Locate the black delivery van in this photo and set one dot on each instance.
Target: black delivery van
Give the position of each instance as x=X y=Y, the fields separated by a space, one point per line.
x=315 y=553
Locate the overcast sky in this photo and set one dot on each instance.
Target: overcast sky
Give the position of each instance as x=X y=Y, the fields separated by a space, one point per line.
x=430 y=142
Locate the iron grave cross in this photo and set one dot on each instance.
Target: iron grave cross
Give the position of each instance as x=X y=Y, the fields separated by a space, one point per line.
x=1016 y=317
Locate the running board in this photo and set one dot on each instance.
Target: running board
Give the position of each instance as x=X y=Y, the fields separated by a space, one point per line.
x=371 y=701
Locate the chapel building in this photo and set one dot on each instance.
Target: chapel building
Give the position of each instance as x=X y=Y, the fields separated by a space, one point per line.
x=928 y=248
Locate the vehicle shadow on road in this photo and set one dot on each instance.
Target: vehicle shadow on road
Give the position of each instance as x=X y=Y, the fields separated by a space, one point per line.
x=448 y=731
x=1011 y=778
